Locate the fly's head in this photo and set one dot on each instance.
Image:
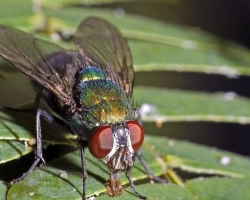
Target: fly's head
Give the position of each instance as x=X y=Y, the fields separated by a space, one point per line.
x=115 y=145
x=121 y=154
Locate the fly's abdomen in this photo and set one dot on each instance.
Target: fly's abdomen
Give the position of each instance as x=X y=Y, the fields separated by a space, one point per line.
x=102 y=100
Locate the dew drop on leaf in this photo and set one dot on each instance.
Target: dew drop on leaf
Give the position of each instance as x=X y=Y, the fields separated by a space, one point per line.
x=225 y=160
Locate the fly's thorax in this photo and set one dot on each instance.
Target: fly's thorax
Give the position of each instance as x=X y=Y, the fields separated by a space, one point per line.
x=100 y=101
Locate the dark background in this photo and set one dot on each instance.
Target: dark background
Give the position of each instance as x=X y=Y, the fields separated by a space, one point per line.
x=226 y=18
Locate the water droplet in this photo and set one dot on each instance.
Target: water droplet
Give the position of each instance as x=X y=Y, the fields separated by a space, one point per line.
x=229 y=96
x=225 y=160
x=63 y=174
x=170 y=143
x=91 y=198
x=31 y=193
x=119 y=13
x=66 y=34
x=55 y=37
x=147 y=109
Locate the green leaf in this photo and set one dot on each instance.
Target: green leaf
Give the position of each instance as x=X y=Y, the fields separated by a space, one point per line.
x=61 y=178
x=60 y=3
x=17 y=134
x=25 y=17
x=220 y=188
x=162 y=46
x=7 y=7
x=10 y=129
x=152 y=191
x=3 y=189
x=164 y=105
x=20 y=125
x=157 y=45
x=199 y=159
x=10 y=150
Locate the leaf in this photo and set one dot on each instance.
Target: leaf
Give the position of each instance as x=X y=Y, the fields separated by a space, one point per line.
x=3 y=189
x=171 y=47
x=25 y=8
x=220 y=188
x=10 y=130
x=60 y=3
x=164 y=105
x=17 y=134
x=61 y=178
x=20 y=125
x=10 y=150
x=199 y=159
x=25 y=17
x=162 y=46
x=152 y=191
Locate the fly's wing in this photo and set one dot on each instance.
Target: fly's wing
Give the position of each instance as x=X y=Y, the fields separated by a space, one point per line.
x=36 y=58
x=103 y=45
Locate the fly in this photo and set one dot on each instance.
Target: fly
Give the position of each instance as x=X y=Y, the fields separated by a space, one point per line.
x=91 y=92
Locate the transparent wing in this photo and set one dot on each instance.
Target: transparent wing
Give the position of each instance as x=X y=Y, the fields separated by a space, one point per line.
x=43 y=62
x=101 y=43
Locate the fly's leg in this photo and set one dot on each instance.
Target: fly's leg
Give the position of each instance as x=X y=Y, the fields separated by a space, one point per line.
x=82 y=145
x=130 y=180
x=138 y=155
x=147 y=168
x=39 y=155
x=133 y=186
x=55 y=121
x=141 y=159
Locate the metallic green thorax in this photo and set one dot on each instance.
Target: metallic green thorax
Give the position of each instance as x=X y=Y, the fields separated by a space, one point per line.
x=103 y=101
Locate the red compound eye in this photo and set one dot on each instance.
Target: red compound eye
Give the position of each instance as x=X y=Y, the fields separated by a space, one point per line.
x=136 y=134
x=100 y=142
